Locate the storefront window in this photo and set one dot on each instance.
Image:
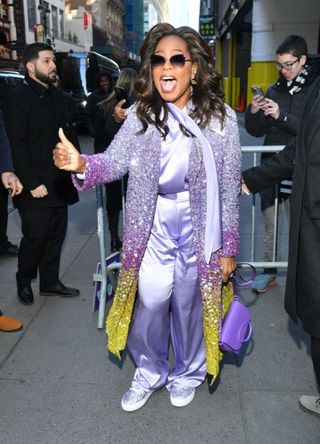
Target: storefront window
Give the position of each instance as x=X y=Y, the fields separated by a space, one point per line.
x=31 y=14
x=54 y=16
x=61 y=23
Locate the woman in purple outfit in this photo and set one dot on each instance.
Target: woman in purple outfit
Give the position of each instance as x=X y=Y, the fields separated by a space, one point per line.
x=180 y=146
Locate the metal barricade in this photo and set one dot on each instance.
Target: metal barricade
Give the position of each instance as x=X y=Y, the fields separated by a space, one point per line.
x=255 y=150
x=104 y=275
x=105 y=272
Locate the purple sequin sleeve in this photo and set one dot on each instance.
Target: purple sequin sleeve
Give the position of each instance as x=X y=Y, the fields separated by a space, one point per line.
x=230 y=188
x=114 y=162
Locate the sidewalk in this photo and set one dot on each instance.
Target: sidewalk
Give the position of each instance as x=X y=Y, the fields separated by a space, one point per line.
x=58 y=385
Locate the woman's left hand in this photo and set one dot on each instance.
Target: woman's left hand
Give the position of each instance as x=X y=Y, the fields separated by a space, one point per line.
x=119 y=113
x=227 y=266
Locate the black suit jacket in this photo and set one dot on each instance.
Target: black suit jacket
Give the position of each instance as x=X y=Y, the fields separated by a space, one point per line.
x=33 y=116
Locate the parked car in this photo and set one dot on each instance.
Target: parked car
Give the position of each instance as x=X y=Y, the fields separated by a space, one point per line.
x=78 y=71
x=9 y=80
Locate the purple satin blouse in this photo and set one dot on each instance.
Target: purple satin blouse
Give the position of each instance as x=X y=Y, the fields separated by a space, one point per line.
x=175 y=151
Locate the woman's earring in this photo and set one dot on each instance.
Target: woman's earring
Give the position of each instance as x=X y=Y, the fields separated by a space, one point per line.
x=193 y=82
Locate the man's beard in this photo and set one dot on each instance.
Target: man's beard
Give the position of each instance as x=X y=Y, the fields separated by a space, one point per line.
x=45 y=78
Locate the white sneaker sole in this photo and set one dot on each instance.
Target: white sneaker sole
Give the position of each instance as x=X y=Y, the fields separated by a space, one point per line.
x=308 y=410
x=137 y=405
x=182 y=402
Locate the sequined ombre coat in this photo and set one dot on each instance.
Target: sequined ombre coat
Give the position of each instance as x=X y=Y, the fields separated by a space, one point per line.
x=139 y=154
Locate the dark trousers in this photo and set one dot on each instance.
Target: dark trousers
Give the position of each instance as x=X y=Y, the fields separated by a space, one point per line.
x=3 y=216
x=315 y=355
x=114 y=202
x=44 y=231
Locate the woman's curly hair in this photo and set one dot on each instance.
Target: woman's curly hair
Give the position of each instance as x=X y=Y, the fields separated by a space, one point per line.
x=207 y=97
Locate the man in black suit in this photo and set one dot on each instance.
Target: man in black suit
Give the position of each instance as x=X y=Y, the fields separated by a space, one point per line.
x=301 y=159
x=33 y=114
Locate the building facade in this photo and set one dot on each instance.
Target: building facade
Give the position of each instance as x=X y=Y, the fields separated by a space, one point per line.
x=12 y=32
x=114 y=28
x=50 y=22
x=247 y=33
x=133 y=30
x=155 y=11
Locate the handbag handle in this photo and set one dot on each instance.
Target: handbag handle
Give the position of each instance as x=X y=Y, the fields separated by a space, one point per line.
x=245 y=283
x=236 y=297
x=248 y=337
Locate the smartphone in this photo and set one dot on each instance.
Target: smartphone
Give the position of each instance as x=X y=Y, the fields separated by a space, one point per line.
x=257 y=91
x=120 y=95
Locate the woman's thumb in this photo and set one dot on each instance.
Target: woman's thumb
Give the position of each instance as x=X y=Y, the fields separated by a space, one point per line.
x=63 y=138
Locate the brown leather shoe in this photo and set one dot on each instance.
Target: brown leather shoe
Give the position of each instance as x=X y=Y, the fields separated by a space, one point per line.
x=8 y=324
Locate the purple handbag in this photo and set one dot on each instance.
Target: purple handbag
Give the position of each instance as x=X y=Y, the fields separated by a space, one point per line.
x=236 y=328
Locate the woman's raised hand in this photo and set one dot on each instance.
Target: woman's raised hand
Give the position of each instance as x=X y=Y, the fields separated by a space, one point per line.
x=66 y=156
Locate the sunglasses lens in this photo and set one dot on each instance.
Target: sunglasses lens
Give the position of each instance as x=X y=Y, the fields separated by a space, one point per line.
x=157 y=60
x=178 y=60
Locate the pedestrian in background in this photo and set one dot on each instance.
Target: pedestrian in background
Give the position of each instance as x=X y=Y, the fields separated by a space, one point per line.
x=9 y=181
x=276 y=116
x=33 y=112
x=7 y=248
x=301 y=159
x=180 y=147
x=91 y=112
x=111 y=117
x=72 y=109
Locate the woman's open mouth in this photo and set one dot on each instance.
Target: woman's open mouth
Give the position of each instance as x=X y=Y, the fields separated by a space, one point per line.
x=168 y=83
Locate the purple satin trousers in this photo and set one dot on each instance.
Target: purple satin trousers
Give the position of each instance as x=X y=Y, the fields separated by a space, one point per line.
x=169 y=306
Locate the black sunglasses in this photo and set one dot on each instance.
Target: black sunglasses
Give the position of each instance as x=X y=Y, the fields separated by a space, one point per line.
x=177 y=60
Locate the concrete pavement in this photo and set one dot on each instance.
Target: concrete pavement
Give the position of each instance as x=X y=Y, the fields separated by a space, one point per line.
x=58 y=385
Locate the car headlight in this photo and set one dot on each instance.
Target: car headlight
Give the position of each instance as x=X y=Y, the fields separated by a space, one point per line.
x=83 y=104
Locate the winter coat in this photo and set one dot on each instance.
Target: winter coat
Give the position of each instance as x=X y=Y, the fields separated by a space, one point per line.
x=282 y=130
x=33 y=116
x=92 y=112
x=106 y=128
x=301 y=158
x=138 y=154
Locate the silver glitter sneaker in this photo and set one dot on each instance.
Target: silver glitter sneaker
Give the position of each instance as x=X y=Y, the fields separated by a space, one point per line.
x=181 y=396
x=310 y=404
x=134 y=399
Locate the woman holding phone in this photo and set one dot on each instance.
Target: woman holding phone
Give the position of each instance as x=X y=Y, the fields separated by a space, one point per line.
x=112 y=114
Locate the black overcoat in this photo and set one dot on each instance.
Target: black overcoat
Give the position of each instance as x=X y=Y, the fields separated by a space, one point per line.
x=33 y=116
x=302 y=160
x=281 y=131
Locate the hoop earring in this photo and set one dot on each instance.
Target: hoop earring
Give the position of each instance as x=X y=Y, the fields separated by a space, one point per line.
x=193 y=82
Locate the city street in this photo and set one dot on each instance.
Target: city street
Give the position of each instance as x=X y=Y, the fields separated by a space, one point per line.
x=58 y=384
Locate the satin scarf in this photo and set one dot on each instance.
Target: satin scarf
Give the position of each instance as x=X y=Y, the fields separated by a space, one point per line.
x=213 y=232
